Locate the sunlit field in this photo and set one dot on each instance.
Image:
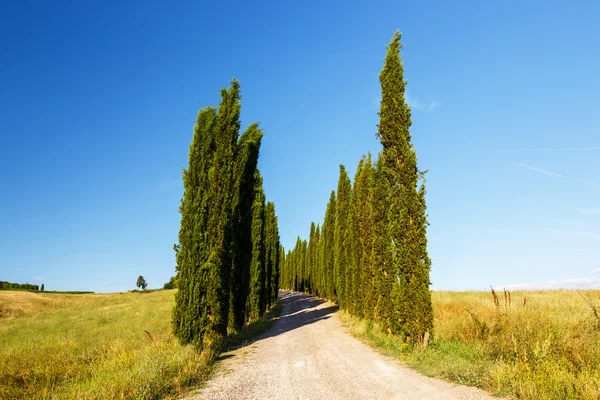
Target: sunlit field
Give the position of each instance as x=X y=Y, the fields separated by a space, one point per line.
x=93 y=346
x=527 y=345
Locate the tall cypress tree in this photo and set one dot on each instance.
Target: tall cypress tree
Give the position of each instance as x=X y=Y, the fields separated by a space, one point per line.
x=352 y=253
x=257 y=299
x=315 y=259
x=276 y=262
x=220 y=231
x=310 y=259
x=341 y=222
x=271 y=253
x=204 y=254
x=355 y=248
x=407 y=220
x=383 y=268
x=243 y=196
x=190 y=315
x=363 y=198
x=328 y=247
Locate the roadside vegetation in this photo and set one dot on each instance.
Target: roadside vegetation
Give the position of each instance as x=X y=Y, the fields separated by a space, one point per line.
x=100 y=346
x=526 y=345
x=370 y=254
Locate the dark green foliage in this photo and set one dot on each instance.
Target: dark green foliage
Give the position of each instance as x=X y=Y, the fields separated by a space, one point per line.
x=228 y=240
x=42 y=288
x=191 y=312
x=141 y=283
x=220 y=229
x=328 y=247
x=352 y=254
x=271 y=254
x=246 y=161
x=370 y=256
x=407 y=221
x=310 y=259
x=257 y=298
x=363 y=193
x=381 y=256
x=344 y=192
x=172 y=284
x=18 y=286
x=314 y=244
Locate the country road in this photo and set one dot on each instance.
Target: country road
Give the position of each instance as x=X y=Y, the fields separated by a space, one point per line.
x=308 y=354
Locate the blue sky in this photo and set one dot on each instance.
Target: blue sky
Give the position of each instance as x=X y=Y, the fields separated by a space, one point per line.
x=99 y=99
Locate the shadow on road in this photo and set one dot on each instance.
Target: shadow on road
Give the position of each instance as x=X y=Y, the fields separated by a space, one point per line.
x=298 y=311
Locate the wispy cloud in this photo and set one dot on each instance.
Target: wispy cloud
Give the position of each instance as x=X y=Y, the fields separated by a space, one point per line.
x=543 y=171
x=415 y=104
x=560 y=149
x=584 y=283
x=590 y=211
x=546 y=172
x=38 y=278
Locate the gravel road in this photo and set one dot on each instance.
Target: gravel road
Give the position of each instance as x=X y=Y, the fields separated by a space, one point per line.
x=308 y=354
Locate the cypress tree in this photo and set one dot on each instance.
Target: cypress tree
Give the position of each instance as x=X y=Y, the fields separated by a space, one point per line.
x=407 y=220
x=256 y=298
x=281 y=265
x=190 y=315
x=340 y=242
x=304 y=257
x=355 y=248
x=352 y=250
x=310 y=262
x=315 y=262
x=381 y=251
x=276 y=262
x=299 y=265
x=328 y=247
x=220 y=232
x=363 y=198
x=291 y=265
x=271 y=253
x=243 y=197
x=204 y=256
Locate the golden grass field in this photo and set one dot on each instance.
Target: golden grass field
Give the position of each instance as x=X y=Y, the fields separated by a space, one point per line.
x=93 y=346
x=535 y=345
x=96 y=346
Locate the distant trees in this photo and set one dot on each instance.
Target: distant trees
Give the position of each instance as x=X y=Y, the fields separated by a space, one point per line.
x=172 y=284
x=18 y=286
x=141 y=283
x=228 y=252
x=371 y=252
x=42 y=288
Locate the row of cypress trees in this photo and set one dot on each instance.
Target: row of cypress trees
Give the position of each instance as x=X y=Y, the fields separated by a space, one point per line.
x=228 y=252
x=370 y=254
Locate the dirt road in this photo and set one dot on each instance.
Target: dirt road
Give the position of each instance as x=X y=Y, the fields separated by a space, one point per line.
x=307 y=354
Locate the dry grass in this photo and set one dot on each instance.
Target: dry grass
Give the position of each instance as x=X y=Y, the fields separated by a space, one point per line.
x=528 y=345
x=100 y=346
x=19 y=303
x=94 y=346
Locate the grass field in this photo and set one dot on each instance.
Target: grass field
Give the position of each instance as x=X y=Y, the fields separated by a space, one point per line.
x=531 y=345
x=93 y=346
x=108 y=346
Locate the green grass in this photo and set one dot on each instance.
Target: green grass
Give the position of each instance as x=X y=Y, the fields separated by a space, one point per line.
x=98 y=346
x=548 y=348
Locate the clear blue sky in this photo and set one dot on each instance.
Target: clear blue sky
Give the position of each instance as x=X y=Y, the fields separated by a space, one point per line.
x=98 y=101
